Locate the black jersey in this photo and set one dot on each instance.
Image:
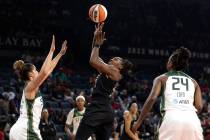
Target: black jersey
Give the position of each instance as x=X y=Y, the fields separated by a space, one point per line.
x=124 y=135
x=99 y=111
x=103 y=88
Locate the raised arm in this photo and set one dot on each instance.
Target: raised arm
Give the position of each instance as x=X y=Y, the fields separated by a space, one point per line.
x=149 y=102
x=54 y=62
x=96 y=61
x=50 y=55
x=45 y=71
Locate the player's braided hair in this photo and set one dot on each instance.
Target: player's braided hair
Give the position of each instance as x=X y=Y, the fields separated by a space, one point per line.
x=127 y=65
x=180 y=58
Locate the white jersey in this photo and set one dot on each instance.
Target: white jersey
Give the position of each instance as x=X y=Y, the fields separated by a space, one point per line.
x=27 y=125
x=74 y=118
x=179 y=92
x=180 y=121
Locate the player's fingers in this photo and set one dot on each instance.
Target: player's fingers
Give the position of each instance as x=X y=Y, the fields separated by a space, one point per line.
x=64 y=43
x=98 y=26
x=53 y=40
x=101 y=26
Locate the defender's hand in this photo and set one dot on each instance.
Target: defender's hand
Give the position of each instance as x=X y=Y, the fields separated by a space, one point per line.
x=52 y=48
x=64 y=48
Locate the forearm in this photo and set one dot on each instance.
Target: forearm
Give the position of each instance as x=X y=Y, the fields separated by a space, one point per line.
x=55 y=61
x=50 y=65
x=94 y=58
x=128 y=126
x=146 y=108
x=93 y=42
x=68 y=132
x=47 y=60
x=130 y=134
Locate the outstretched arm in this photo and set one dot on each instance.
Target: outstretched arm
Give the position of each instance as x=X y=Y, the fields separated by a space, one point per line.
x=50 y=55
x=149 y=102
x=54 y=62
x=45 y=71
x=96 y=61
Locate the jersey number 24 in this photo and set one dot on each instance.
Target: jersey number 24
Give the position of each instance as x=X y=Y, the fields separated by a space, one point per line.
x=178 y=81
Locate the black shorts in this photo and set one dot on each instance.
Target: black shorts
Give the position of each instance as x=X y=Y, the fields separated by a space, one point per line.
x=97 y=114
x=102 y=132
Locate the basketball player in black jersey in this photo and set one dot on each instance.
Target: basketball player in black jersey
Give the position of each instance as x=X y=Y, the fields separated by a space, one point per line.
x=129 y=119
x=98 y=118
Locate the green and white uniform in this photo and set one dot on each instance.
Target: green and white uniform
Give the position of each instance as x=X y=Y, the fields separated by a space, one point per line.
x=180 y=121
x=27 y=125
x=74 y=118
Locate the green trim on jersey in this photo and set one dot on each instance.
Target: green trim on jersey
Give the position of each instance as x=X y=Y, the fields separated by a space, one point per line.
x=38 y=94
x=177 y=73
x=162 y=103
x=31 y=135
x=77 y=113
x=162 y=111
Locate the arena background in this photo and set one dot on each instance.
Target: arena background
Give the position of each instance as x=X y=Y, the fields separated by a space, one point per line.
x=144 y=31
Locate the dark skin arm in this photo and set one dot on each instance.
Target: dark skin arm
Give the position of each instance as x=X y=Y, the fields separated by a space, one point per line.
x=155 y=92
x=96 y=61
x=198 y=98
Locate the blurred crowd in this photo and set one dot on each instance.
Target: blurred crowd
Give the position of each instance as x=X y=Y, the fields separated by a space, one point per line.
x=158 y=24
x=65 y=84
x=150 y=24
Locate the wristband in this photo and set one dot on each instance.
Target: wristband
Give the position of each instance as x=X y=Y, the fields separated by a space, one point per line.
x=97 y=46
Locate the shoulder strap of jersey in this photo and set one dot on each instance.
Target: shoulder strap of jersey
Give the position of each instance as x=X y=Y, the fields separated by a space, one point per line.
x=176 y=73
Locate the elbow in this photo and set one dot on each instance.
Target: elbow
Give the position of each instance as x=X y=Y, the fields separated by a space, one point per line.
x=93 y=62
x=152 y=99
x=116 y=78
x=199 y=108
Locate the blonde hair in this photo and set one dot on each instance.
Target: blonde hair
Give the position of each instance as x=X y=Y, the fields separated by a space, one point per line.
x=23 y=69
x=18 y=65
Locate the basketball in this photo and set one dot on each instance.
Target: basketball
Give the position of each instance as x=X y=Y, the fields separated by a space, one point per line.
x=97 y=13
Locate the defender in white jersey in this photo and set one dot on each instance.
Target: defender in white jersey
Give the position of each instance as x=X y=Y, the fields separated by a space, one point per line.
x=27 y=125
x=74 y=117
x=180 y=101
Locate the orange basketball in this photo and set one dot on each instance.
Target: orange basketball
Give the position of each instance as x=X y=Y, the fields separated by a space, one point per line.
x=97 y=13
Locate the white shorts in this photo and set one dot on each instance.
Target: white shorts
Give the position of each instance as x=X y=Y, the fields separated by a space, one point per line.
x=19 y=132
x=180 y=125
